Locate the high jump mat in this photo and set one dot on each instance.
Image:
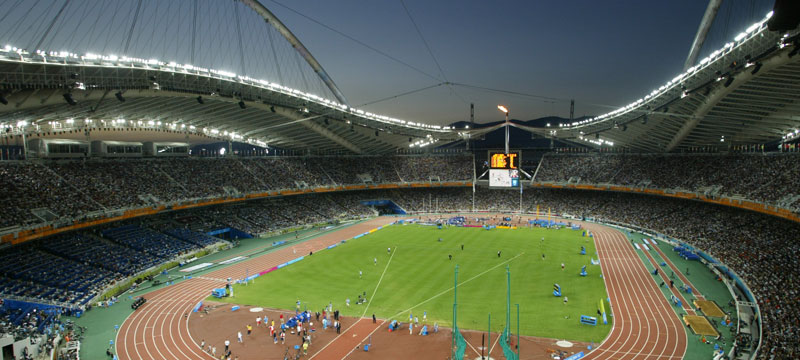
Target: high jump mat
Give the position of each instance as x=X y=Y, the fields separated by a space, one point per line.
x=700 y=325
x=709 y=308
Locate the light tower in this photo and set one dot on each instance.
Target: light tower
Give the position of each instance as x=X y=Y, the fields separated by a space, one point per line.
x=505 y=110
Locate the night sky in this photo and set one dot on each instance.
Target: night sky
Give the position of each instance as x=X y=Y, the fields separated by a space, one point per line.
x=601 y=53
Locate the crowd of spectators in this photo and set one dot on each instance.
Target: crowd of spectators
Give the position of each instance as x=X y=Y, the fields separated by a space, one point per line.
x=72 y=188
x=762 y=177
x=29 y=186
x=67 y=189
x=271 y=215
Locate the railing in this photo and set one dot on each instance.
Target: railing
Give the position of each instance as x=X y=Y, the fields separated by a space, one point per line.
x=41 y=301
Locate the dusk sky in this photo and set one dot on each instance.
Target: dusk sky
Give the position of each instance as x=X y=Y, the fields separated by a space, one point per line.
x=601 y=53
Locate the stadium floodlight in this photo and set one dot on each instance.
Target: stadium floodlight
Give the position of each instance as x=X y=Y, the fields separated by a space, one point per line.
x=119 y=96
x=729 y=81
x=68 y=98
x=502 y=108
x=756 y=68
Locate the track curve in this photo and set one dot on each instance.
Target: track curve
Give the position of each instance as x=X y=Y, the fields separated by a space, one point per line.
x=645 y=326
x=160 y=330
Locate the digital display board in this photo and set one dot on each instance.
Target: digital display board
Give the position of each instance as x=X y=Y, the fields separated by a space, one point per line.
x=504 y=161
x=504 y=169
x=503 y=178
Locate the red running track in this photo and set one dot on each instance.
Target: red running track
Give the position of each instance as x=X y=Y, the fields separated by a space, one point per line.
x=159 y=329
x=645 y=326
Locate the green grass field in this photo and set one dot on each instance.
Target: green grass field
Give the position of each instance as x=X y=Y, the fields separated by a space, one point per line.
x=420 y=278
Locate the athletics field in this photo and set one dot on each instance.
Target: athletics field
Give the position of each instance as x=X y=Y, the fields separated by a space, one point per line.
x=417 y=276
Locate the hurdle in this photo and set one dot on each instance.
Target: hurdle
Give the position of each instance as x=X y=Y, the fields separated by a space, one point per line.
x=588 y=320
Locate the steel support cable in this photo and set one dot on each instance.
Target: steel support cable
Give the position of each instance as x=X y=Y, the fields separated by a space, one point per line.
x=11 y=10
x=70 y=40
x=382 y=53
x=50 y=27
x=427 y=46
x=194 y=31
x=239 y=37
x=32 y=28
x=108 y=30
x=364 y=104
x=274 y=53
x=133 y=26
x=17 y=24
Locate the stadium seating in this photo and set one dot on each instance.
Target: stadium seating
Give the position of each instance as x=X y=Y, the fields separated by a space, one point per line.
x=92 y=250
x=196 y=238
x=148 y=241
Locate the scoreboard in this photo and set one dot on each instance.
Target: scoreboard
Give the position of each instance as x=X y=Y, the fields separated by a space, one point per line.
x=504 y=170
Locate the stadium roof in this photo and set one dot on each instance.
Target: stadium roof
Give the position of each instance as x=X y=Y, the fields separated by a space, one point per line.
x=747 y=92
x=55 y=92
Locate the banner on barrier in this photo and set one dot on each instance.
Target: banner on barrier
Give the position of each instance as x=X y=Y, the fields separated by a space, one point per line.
x=294 y=261
x=268 y=271
x=576 y=356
